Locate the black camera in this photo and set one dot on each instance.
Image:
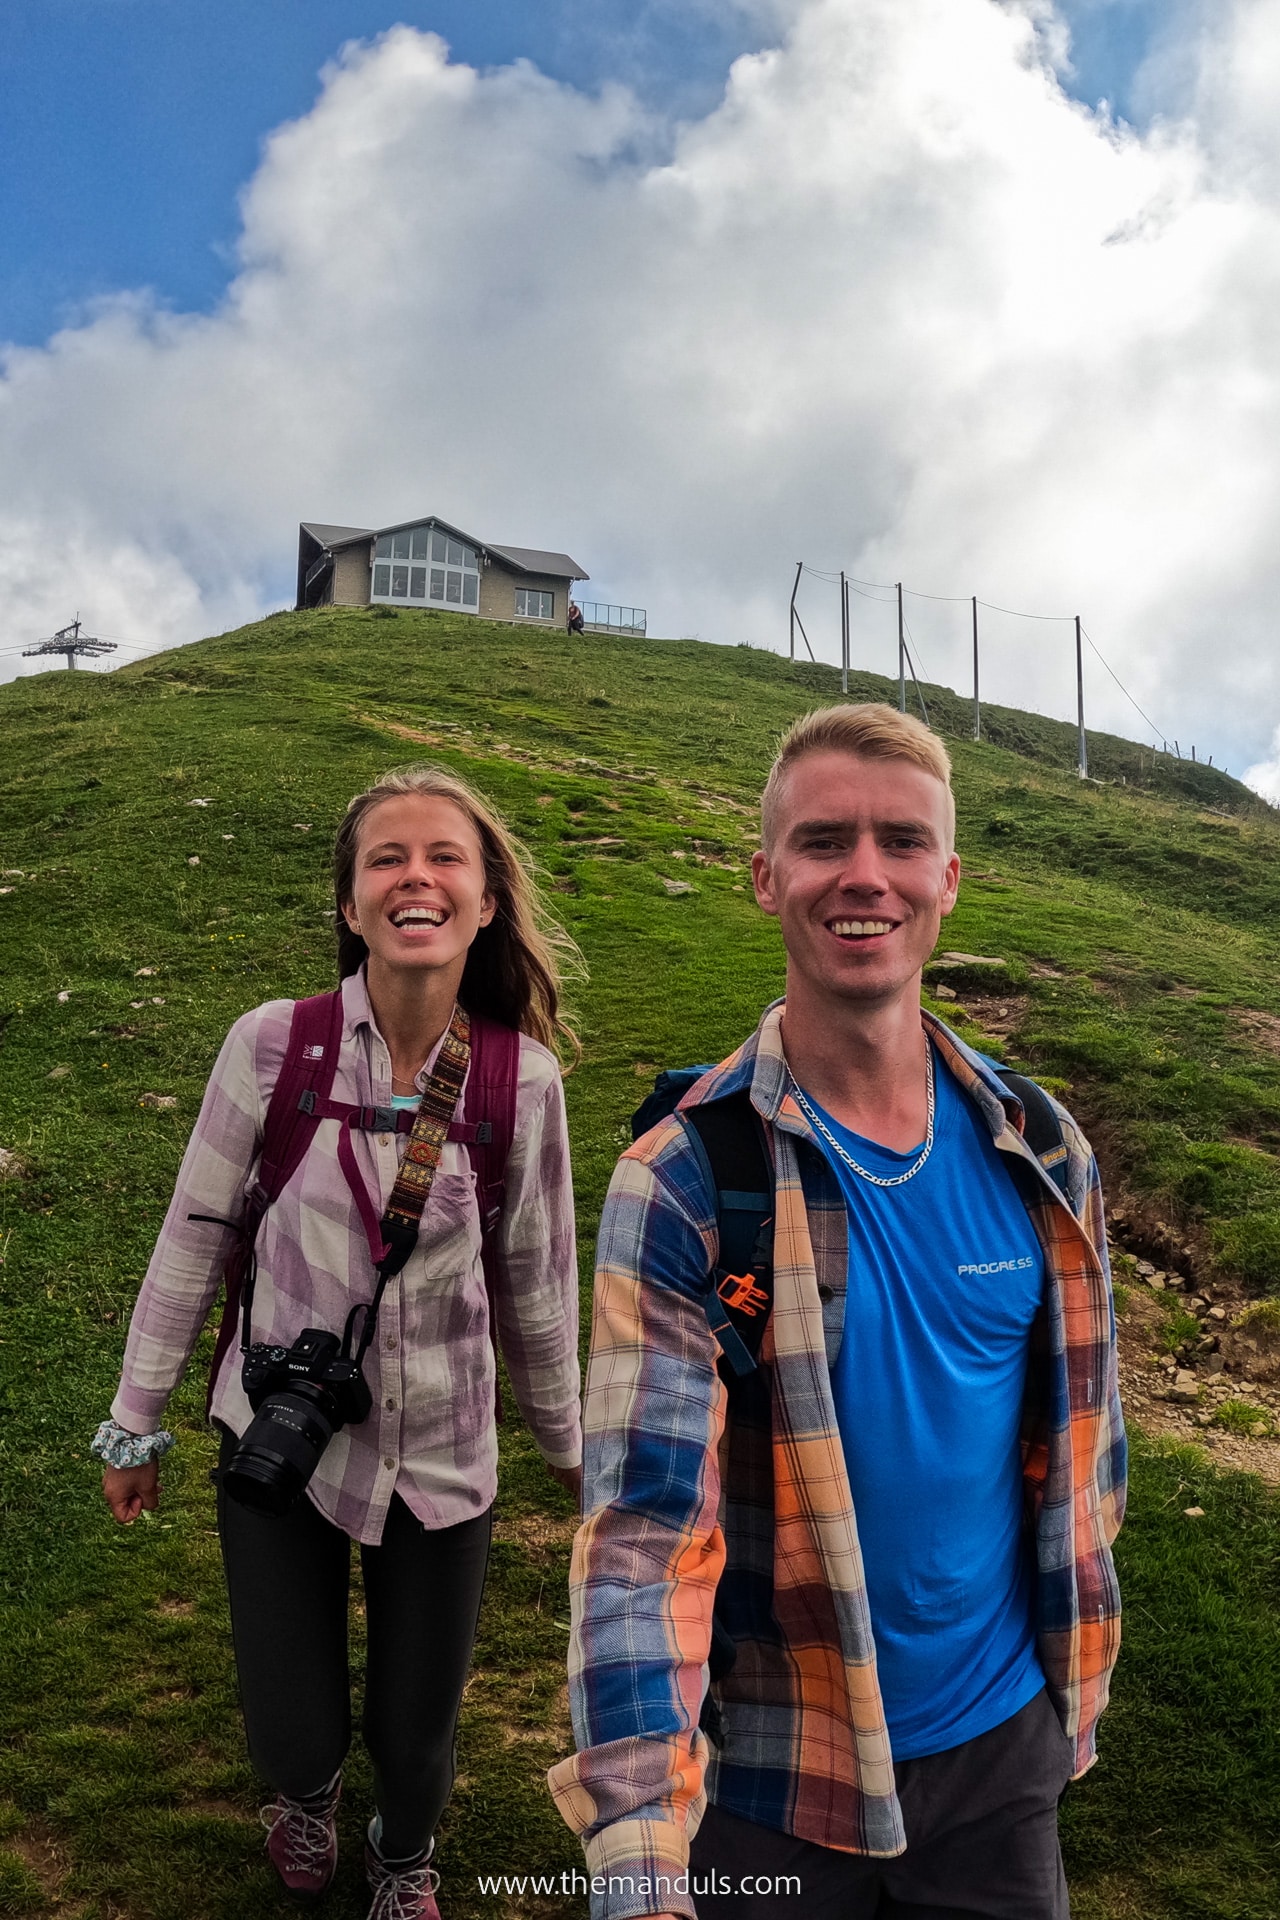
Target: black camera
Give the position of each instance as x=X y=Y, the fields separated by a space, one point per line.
x=300 y=1395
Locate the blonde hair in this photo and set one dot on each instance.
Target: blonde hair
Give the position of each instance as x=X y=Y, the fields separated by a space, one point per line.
x=516 y=966
x=868 y=732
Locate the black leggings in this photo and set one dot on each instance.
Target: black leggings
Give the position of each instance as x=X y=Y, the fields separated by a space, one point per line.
x=288 y=1580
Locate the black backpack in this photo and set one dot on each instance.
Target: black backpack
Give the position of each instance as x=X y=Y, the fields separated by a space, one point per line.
x=728 y=1138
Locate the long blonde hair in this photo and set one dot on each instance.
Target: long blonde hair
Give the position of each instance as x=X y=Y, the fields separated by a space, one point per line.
x=516 y=966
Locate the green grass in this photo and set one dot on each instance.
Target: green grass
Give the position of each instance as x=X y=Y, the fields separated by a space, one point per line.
x=1137 y=922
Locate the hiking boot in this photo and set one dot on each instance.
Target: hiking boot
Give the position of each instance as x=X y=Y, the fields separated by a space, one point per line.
x=302 y=1841
x=401 y=1892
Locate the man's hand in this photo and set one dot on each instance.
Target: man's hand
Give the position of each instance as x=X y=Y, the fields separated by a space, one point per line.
x=129 y=1491
x=570 y=1478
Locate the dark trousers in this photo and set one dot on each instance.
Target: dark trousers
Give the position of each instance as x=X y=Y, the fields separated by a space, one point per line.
x=288 y=1579
x=982 y=1840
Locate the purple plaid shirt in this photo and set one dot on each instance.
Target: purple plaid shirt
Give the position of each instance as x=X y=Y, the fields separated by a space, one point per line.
x=430 y=1437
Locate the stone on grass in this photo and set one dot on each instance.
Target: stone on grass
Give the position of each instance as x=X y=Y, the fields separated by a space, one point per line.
x=161 y=1101
x=678 y=886
x=12 y=1165
x=145 y=973
x=1194 y=1513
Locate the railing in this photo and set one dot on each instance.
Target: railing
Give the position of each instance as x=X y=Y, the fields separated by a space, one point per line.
x=597 y=618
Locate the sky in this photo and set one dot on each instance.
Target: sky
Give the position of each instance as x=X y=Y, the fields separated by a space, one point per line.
x=973 y=294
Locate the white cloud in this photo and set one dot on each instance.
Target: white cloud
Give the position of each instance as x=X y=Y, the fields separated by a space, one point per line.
x=897 y=304
x=1264 y=778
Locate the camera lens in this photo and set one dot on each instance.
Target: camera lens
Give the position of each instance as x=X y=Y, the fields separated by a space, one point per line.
x=281 y=1446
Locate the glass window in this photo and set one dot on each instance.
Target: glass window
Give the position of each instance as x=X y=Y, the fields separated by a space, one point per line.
x=453 y=580
x=533 y=604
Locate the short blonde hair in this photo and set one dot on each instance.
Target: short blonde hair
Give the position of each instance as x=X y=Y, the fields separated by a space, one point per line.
x=868 y=732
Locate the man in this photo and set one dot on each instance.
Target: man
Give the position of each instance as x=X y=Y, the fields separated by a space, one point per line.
x=903 y=1518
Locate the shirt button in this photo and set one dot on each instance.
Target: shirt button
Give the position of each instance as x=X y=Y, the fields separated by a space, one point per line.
x=391 y=1344
x=391 y=1405
x=388 y=1462
x=384 y=1139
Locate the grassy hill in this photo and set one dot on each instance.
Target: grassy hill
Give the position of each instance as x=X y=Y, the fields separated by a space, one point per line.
x=1136 y=914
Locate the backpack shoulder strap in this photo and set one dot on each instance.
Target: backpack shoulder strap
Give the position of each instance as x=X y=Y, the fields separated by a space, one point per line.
x=1042 y=1129
x=306 y=1076
x=491 y=1112
x=728 y=1136
x=304 y=1081
x=487 y=1134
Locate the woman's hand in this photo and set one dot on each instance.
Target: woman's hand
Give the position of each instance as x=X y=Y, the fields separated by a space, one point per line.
x=129 y=1491
x=570 y=1478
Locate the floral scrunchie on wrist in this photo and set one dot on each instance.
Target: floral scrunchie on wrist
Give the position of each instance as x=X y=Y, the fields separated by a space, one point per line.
x=118 y=1447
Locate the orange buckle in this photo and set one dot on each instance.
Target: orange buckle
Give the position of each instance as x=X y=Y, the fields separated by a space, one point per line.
x=740 y=1290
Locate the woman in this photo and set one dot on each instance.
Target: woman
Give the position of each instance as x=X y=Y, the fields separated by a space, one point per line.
x=435 y=912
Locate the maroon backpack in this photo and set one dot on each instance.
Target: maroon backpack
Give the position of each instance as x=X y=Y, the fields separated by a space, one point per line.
x=301 y=1099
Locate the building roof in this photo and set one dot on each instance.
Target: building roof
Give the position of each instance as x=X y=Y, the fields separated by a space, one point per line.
x=537 y=560
x=335 y=536
x=519 y=559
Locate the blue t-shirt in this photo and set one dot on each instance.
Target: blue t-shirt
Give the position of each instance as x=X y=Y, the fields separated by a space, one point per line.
x=945 y=1278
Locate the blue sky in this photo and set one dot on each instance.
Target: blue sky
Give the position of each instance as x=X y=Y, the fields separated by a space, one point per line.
x=127 y=127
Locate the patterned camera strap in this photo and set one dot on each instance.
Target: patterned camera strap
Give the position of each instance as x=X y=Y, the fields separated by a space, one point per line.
x=430 y=1130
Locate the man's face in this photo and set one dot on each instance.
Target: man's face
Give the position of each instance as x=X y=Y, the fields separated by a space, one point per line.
x=860 y=874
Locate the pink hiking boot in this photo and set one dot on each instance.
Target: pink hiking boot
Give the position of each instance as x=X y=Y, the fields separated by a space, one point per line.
x=302 y=1841
x=401 y=1893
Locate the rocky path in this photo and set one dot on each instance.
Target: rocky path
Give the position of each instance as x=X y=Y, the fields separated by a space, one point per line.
x=1199 y=1362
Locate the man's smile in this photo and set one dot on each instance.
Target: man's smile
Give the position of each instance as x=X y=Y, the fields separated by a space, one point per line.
x=860 y=929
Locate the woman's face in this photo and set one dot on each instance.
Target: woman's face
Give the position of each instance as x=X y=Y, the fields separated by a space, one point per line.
x=419 y=895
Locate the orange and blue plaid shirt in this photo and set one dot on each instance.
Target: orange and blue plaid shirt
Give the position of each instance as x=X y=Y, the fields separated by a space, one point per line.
x=690 y=1504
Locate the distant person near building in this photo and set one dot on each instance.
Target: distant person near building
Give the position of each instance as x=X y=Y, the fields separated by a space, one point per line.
x=888 y=1542
x=575 y=617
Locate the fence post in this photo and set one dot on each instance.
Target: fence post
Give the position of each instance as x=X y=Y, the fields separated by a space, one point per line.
x=844 y=633
x=977 y=709
x=1082 y=768
x=902 y=656
x=794 y=591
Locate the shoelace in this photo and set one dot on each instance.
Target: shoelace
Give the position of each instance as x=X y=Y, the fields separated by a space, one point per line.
x=307 y=1834
x=397 y=1896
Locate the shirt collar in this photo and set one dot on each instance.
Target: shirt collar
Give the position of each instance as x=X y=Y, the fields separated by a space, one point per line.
x=357 y=1012
x=761 y=1065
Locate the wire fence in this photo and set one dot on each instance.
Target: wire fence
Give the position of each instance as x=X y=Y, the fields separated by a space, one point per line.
x=894 y=594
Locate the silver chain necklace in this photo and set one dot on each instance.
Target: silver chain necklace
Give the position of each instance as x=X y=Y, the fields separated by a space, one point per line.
x=877 y=1180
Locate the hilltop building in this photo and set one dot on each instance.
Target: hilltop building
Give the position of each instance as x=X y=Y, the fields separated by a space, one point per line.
x=428 y=563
